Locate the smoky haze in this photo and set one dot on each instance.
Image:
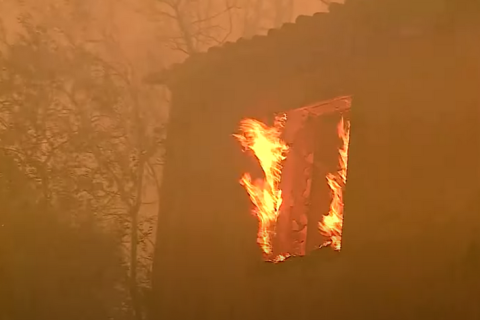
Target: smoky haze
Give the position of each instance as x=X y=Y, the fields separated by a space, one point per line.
x=83 y=140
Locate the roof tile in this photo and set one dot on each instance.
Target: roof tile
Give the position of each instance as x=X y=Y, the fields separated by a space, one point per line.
x=242 y=44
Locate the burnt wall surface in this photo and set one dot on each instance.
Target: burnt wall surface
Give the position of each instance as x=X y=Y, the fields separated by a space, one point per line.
x=411 y=219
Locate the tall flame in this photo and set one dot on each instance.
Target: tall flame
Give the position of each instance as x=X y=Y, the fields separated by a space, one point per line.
x=332 y=224
x=270 y=150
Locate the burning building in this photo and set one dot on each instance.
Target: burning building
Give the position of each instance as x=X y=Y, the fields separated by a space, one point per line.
x=390 y=85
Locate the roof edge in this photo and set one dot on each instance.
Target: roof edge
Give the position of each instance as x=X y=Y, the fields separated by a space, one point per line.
x=164 y=76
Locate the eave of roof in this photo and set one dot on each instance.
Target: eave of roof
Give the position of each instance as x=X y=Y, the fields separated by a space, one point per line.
x=254 y=44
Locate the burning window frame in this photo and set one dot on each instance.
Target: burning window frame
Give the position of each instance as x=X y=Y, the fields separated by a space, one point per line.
x=271 y=146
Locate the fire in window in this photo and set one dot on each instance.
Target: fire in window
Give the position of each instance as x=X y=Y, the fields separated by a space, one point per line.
x=298 y=198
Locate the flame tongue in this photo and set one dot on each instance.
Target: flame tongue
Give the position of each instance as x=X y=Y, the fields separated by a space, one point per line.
x=332 y=224
x=265 y=193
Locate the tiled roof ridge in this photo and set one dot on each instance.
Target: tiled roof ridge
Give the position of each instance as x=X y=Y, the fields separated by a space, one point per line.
x=163 y=75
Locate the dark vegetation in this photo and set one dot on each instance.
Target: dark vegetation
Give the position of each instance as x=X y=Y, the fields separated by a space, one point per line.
x=76 y=144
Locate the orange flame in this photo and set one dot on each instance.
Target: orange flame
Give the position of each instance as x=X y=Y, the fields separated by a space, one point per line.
x=332 y=224
x=265 y=193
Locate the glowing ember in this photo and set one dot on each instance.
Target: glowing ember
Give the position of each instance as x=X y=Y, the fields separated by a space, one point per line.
x=265 y=194
x=331 y=225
